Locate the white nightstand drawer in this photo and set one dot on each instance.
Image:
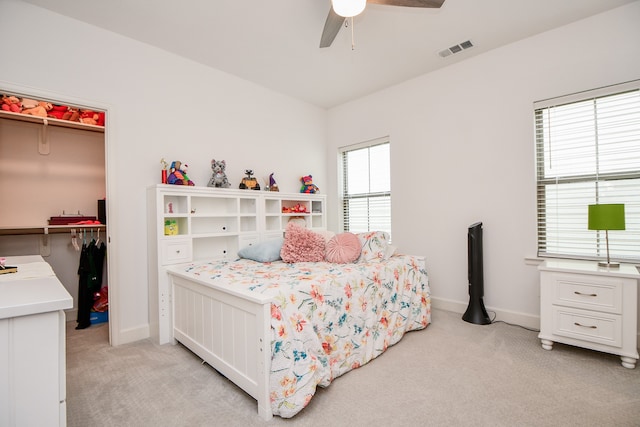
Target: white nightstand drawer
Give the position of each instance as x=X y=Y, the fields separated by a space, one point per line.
x=591 y=293
x=602 y=328
x=175 y=251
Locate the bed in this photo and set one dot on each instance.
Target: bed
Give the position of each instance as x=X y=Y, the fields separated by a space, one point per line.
x=279 y=329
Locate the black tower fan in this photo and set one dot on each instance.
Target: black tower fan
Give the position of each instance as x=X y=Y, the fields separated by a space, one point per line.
x=476 y=313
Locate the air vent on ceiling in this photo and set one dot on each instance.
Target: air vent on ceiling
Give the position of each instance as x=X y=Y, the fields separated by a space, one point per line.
x=456 y=48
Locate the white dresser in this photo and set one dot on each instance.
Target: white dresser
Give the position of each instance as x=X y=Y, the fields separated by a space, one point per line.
x=32 y=345
x=588 y=306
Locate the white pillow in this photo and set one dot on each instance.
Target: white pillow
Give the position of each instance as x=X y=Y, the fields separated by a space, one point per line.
x=268 y=251
x=375 y=245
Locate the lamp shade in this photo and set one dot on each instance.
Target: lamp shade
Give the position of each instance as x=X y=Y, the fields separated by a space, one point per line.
x=348 y=8
x=606 y=217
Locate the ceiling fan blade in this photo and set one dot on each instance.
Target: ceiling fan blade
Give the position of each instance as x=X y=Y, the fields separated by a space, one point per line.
x=331 y=27
x=410 y=3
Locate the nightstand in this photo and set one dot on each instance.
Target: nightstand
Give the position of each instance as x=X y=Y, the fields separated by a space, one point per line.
x=588 y=306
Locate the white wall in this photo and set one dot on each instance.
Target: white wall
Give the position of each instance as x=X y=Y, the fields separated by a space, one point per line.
x=462 y=150
x=159 y=105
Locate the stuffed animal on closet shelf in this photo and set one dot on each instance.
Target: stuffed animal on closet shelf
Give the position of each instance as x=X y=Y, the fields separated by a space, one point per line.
x=308 y=186
x=218 y=175
x=41 y=109
x=178 y=175
x=90 y=117
x=72 y=114
x=11 y=103
x=57 y=112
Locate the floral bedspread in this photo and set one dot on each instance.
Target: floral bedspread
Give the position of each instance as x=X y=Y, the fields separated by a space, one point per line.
x=328 y=319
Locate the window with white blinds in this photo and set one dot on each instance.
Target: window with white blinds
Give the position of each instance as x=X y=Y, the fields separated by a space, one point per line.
x=366 y=187
x=588 y=152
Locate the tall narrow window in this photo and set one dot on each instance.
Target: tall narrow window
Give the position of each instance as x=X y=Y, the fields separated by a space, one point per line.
x=366 y=187
x=588 y=152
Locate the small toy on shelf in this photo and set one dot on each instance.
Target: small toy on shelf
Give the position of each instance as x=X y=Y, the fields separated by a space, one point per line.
x=273 y=185
x=88 y=117
x=296 y=209
x=72 y=115
x=218 y=175
x=41 y=109
x=308 y=186
x=164 y=164
x=178 y=175
x=250 y=182
x=11 y=103
x=57 y=111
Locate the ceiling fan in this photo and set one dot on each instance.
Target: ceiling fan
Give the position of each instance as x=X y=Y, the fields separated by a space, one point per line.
x=342 y=9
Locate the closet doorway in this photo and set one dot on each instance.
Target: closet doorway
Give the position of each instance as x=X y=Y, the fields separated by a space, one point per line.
x=53 y=153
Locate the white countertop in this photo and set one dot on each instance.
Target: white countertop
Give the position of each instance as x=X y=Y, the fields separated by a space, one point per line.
x=33 y=289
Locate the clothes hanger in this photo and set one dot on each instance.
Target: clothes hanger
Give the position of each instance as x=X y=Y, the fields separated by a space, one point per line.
x=74 y=239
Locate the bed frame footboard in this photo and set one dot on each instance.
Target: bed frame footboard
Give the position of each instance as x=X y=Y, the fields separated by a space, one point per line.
x=229 y=330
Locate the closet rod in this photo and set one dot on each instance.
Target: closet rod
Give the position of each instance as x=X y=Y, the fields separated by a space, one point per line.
x=46 y=229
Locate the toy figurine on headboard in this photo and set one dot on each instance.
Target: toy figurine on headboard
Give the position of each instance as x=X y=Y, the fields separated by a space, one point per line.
x=178 y=175
x=273 y=185
x=308 y=186
x=218 y=175
x=250 y=182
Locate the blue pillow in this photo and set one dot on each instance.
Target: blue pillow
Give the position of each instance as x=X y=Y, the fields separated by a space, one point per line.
x=268 y=251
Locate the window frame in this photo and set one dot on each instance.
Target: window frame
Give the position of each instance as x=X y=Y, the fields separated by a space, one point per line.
x=595 y=176
x=345 y=197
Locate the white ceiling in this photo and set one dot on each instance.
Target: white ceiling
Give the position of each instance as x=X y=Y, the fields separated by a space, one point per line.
x=274 y=43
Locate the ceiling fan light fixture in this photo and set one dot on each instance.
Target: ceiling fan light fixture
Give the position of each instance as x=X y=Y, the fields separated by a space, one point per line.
x=348 y=8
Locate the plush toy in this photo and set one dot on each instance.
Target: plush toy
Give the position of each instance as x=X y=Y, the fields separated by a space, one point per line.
x=41 y=109
x=90 y=117
x=308 y=186
x=218 y=175
x=11 y=103
x=57 y=112
x=178 y=174
x=297 y=208
x=28 y=103
x=72 y=115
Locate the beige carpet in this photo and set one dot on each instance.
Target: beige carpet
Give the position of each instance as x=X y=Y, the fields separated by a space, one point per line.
x=451 y=374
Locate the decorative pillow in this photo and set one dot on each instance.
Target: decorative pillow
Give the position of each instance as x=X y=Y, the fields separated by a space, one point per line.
x=328 y=235
x=301 y=245
x=298 y=220
x=391 y=251
x=343 y=248
x=268 y=251
x=374 y=245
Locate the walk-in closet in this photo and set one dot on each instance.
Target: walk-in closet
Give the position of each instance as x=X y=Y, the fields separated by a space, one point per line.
x=53 y=197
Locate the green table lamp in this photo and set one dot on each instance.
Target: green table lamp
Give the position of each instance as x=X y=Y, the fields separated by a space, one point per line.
x=607 y=217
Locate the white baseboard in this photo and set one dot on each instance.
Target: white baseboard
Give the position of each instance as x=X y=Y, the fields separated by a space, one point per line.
x=522 y=319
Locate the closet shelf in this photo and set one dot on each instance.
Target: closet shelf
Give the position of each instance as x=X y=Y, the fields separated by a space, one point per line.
x=46 y=229
x=50 y=121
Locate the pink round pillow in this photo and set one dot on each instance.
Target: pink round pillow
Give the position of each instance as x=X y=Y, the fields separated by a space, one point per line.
x=343 y=248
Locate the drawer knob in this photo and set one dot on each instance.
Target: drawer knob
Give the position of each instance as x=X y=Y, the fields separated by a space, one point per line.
x=586 y=295
x=585 y=326
x=178 y=251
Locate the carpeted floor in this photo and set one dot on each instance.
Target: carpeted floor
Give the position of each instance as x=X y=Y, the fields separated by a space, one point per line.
x=451 y=374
